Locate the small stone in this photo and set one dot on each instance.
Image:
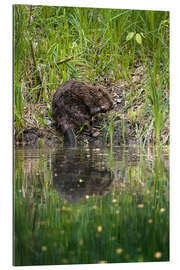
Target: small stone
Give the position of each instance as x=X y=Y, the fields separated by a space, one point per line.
x=96 y=134
x=118 y=100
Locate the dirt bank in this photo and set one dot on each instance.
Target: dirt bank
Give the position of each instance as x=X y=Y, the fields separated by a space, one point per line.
x=132 y=119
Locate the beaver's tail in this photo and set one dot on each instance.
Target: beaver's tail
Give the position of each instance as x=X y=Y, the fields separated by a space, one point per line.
x=69 y=138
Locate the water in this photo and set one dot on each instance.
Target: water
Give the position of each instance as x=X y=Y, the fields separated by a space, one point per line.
x=78 y=206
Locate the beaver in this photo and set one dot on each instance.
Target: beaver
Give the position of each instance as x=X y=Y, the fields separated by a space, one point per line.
x=74 y=103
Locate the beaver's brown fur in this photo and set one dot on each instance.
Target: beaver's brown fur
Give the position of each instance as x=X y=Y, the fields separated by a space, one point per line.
x=76 y=102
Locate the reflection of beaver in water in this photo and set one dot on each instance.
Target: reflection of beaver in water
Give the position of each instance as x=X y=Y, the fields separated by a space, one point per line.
x=78 y=173
x=75 y=103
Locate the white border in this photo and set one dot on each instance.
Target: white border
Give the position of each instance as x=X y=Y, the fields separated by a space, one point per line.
x=128 y=4
x=6 y=126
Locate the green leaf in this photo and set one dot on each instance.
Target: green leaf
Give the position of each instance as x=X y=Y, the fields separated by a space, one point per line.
x=129 y=36
x=138 y=38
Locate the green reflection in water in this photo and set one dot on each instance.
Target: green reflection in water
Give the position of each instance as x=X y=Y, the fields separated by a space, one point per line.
x=85 y=206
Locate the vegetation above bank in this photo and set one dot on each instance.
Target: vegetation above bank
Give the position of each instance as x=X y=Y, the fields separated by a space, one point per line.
x=125 y=50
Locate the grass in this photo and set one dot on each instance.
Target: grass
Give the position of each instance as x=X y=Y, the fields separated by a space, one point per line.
x=54 y=44
x=110 y=129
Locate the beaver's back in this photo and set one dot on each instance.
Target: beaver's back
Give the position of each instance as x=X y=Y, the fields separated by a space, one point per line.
x=75 y=102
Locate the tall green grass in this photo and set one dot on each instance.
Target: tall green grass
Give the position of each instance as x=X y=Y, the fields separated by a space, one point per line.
x=54 y=44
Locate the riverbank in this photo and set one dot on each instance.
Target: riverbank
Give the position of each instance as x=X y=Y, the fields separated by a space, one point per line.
x=131 y=118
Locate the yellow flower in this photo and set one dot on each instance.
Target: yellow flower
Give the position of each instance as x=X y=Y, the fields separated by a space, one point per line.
x=140 y=205
x=99 y=228
x=157 y=254
x=102 y=262
x=119 y=250
x=64 y=208
x=81 y=242
x=43 y=248
x=64 y=260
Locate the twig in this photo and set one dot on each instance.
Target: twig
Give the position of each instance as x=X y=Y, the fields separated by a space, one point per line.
x=65 y=60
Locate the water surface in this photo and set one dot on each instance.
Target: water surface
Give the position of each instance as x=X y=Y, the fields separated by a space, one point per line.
x=90 y=205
